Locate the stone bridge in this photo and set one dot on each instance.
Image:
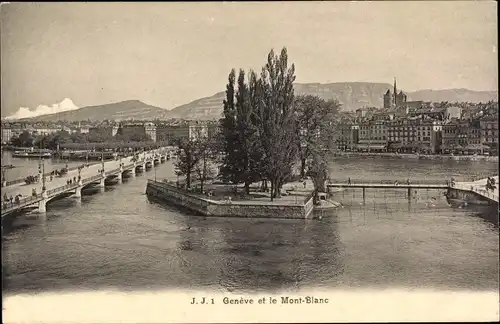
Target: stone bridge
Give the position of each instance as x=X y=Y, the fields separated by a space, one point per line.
x=39 y=194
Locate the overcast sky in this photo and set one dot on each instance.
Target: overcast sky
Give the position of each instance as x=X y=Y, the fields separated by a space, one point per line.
x=167 y=54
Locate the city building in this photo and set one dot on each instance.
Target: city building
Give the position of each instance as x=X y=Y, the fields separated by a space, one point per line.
x=366 y=112
x=139 y=130
x=102 y=131
x=414 y=135
x=452 y=112
x=344 y=139
x=372 y=136
x=6 y=134
x=197 y=131
x=150 y=130
x=489 y=133
x=455 y=137
x=213 y=128
x=184 y=130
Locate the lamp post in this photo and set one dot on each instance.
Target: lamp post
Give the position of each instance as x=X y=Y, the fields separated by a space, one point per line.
x=4 y=180
x=43 y=176
x=40 y=172
x=102 y=162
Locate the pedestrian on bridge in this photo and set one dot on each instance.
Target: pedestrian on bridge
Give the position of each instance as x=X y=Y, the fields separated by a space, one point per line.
x=349 y=180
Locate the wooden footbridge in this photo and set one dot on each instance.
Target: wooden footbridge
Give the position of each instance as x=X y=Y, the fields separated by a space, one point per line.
x=387 y=184
x=475 y=187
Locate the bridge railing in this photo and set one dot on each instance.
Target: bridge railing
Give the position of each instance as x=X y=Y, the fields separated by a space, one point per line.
x=91 y=179
x=8 y=206
x=390 y=181
x=62 y=189
x=113 y=170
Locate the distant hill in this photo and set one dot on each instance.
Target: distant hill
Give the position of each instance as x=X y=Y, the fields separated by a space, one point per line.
x=130 y=109
x=352 y=95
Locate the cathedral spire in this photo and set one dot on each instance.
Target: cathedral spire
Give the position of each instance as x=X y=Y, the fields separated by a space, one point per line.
x=395 y=91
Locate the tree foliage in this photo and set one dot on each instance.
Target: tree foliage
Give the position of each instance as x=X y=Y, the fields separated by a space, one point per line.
x=193 y=155
x=316 y=131
x=25 y=139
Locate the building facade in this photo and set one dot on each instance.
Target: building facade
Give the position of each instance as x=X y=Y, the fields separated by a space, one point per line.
x=372 y=136
x=139 y=130
x=102 y=131
x=489 y=133
x=414 y=135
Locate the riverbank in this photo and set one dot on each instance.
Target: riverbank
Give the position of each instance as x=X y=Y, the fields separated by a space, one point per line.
x=482 y=158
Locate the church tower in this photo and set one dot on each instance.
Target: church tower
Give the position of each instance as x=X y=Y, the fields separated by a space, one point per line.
x=388 y=100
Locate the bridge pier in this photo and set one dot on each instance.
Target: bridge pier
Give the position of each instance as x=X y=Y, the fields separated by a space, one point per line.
x=42 y=204
x=78 y=190
x=409 y=193
x=120 y=175
x=101 y=182
x=364 y=194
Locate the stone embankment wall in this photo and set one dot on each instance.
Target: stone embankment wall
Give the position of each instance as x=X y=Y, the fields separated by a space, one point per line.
x=208 y=207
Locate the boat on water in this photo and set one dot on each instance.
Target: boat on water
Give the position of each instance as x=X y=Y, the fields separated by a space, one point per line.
x=32 y=153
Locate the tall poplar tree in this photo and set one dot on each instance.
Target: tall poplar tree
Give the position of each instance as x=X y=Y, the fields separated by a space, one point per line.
x=229 y=135
x=278 y=118
x=247 y=165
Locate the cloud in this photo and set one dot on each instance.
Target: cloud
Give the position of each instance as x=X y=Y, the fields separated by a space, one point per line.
x=65 y=105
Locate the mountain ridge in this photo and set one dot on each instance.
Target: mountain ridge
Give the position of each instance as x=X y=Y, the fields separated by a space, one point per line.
x=352 y=95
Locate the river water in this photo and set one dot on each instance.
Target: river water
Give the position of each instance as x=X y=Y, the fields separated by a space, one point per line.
x=118 y=239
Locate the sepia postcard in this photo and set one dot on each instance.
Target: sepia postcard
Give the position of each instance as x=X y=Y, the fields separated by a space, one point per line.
x=248 y=162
